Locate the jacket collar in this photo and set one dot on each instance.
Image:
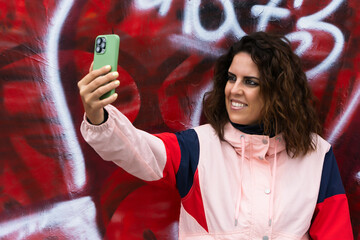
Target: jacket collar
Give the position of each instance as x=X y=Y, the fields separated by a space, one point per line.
x=256 y=129
x=259 y=146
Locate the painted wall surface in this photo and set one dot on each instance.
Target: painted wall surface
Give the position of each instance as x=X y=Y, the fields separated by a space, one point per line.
x=54 y=186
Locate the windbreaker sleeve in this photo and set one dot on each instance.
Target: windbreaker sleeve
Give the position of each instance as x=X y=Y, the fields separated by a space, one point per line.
x=137 y=152
x=331 y=219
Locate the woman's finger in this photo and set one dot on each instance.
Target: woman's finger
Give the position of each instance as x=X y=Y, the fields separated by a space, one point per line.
x=102 y=81
x=91 y=66
x=91 y=76
x=108 y=100
x=98 y=92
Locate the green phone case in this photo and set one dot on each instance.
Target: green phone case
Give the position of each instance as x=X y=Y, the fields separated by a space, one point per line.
x=106 y=54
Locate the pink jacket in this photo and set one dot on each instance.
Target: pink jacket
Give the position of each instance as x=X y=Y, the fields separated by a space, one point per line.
x=245 y=187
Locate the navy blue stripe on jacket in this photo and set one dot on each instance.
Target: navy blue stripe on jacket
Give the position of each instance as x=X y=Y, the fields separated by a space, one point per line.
x=190 y=151
x=331 y=183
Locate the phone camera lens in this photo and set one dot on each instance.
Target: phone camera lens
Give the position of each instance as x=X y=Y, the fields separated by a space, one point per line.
x=100 y=45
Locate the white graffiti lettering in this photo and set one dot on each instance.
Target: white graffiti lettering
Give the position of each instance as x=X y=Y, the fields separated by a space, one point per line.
x=315 y=22
x=207 y=48
x=305 y=39
x=357 y=177
x=298 y=3
x=76 y=176
x=192 y=25
x=267 y=12
x=147 y=4
x=60 y=215
x=192 y=22
x=340 y=123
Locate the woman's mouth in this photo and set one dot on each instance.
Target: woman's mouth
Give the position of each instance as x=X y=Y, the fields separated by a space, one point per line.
x=237 y=105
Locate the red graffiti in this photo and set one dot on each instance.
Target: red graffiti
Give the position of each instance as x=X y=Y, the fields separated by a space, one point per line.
x=54 y=186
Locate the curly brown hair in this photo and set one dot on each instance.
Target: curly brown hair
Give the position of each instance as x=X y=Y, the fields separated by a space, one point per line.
x=288 y=100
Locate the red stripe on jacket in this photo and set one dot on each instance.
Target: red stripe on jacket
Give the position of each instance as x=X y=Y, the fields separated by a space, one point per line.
x=173 y=157
x=331 y=220
x=192 y=202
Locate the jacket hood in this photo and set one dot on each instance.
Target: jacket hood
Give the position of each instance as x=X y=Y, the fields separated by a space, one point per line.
x=259 y=146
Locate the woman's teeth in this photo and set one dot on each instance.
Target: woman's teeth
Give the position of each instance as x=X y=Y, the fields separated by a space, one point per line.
x=236 y=104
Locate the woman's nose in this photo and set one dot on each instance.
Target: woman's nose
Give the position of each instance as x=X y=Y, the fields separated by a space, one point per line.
x=237 y=88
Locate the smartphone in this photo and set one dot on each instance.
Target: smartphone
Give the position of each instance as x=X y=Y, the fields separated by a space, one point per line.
x=106 y=52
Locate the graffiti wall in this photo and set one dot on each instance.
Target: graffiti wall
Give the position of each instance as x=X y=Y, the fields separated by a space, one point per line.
x=54 y=186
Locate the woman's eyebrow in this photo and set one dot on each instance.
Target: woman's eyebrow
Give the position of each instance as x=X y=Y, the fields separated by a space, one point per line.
x=252 y=77
x=230 y=73
x=248 y=77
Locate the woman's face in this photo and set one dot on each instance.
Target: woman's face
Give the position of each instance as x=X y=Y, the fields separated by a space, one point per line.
x=242 y=91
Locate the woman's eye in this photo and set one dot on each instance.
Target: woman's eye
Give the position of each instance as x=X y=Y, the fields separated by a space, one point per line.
x=251 y=82
x=231 y=78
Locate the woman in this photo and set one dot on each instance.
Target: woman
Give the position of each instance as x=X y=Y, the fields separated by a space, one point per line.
x=258 y=170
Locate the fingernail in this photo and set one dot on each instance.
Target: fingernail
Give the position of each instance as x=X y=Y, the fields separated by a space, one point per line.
x=117 y=83
x=107 y=67
x=115 y=74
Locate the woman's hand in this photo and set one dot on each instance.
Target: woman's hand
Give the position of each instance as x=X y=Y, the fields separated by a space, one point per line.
x=91 y=87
